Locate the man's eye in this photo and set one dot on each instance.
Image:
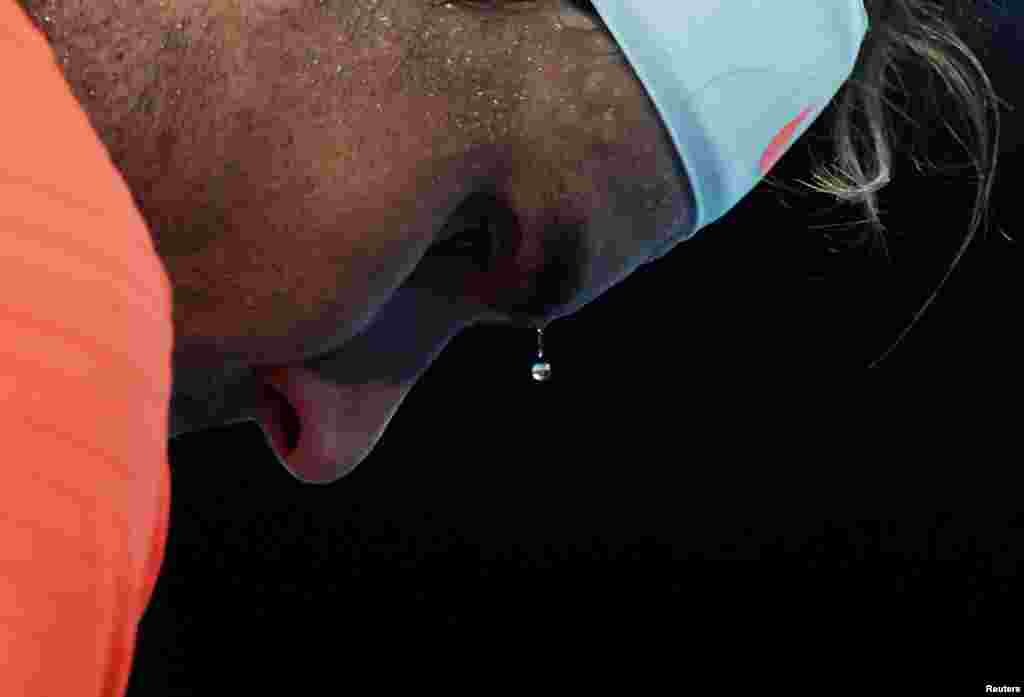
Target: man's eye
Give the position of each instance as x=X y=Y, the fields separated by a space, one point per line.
x=482 y=227
x=478 y=242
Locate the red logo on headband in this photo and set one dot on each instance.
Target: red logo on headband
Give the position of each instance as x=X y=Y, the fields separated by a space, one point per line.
x=782 y=141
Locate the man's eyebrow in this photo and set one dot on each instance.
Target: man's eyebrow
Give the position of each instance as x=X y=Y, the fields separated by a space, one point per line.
x=506 y=6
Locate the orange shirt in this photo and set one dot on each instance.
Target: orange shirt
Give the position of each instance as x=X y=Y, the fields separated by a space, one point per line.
x=85 y=381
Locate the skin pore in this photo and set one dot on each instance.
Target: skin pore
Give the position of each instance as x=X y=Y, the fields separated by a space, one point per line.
x=296 y=159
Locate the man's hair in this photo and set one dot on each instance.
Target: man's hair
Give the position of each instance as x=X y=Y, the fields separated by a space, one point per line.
x=938 y=37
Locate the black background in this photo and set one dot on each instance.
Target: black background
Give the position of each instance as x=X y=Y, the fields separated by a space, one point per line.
x=715 y=406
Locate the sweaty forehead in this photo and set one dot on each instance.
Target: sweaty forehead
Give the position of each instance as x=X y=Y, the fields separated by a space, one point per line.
x=486 y=58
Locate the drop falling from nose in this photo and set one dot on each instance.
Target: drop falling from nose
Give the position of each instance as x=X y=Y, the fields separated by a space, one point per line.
x=541 y=368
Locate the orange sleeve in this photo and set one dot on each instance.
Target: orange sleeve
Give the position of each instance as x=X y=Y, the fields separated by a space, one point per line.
x=86 y=339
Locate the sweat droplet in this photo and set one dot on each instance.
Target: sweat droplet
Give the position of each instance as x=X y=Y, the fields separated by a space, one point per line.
x=541 y=368
x=541 y=371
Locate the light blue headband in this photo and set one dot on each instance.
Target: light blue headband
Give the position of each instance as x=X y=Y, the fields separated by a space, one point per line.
x=736 y=82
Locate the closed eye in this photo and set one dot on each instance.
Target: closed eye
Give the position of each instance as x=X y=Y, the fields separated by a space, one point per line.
x=484 y=228
x=475 y=230
x=477 y=243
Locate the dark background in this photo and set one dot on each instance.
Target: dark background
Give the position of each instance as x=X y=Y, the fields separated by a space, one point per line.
x=715 y=406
